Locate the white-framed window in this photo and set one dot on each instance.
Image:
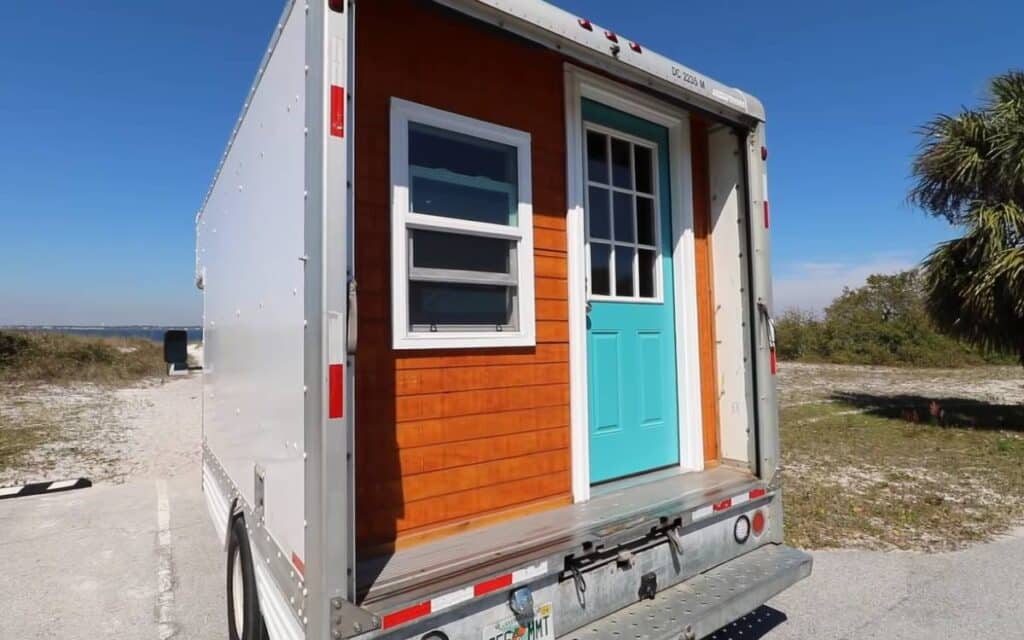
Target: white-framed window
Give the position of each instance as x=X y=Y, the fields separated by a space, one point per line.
x=623 y=217
x=462 y=231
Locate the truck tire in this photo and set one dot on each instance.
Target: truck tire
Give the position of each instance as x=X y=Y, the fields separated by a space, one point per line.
x=244 y=619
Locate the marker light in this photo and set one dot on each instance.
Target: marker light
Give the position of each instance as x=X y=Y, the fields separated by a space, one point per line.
x=758 y=522
x=742 y=529
x=586 y=24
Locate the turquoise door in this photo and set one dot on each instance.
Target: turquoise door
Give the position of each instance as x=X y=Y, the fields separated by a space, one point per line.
x=631 y=350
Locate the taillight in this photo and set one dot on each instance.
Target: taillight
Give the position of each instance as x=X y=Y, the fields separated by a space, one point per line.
x=757 y=522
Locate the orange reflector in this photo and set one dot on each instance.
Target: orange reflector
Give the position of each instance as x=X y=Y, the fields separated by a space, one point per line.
x=337 y=111
x=336 y=391
x=757 y=523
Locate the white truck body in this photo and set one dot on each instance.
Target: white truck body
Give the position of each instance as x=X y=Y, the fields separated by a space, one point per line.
x=274 y=245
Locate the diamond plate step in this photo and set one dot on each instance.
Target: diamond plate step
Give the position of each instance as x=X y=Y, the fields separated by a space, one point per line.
x=707 y=602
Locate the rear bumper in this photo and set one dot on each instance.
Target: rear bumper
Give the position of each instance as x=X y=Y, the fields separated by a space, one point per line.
x=701 y=605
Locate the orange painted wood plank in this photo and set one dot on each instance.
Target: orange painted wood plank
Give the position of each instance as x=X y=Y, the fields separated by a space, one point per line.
x=548 y=239
x=705 y=288
x=458 y=428
x=421 y=381
x=465 y=503
x=455 y=454
x=552 y=289
x=483 y=357
x=463 y=478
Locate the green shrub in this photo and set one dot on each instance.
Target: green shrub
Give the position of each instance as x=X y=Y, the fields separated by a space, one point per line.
x=883 y=322
x=56 y=357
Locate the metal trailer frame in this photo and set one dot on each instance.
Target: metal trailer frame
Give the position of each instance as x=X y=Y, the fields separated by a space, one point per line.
x=320 y=603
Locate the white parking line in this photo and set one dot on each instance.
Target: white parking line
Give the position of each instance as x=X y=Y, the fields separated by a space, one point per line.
x=165 y=568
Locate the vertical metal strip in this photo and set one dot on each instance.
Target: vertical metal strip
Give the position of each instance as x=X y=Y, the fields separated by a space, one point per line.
x=327 y=477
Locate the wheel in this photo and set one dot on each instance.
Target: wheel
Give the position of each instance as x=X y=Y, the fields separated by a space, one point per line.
x=244 y=619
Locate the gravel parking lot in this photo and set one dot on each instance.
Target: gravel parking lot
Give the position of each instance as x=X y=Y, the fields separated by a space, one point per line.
x=136 y=557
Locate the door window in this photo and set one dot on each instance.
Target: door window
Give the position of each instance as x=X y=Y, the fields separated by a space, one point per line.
x=622 y=220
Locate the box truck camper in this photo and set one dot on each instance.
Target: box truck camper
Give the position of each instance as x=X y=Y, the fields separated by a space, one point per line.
x=488 y=338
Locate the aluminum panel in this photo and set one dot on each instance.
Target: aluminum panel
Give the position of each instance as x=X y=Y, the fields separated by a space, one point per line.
x=249 y=240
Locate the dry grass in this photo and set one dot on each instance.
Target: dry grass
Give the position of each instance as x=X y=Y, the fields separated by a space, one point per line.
x=901 y=471
x=56 y=395
x=59 y=358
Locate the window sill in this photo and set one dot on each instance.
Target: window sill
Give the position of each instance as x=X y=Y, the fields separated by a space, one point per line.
x=455 y=340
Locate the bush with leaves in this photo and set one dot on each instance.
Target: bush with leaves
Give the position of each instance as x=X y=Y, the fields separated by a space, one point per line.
x=970 y=171
x=884 y=322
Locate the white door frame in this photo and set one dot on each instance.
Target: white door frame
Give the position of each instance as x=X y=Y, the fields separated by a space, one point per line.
x=581 y=84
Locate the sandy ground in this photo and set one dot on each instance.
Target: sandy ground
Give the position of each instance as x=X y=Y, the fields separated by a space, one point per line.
x=804 y=383
x=136 y=556
x=107 y=435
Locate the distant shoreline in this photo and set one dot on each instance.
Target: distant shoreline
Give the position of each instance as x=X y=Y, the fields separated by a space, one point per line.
x=146 y=331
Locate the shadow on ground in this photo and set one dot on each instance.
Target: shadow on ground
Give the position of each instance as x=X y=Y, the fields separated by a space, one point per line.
x=945 y=412
x=752 y=626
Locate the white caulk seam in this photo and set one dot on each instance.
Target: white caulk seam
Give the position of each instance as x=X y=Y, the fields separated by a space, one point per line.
x=165 y=567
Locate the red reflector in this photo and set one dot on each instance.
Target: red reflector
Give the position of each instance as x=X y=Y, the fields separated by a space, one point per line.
x=764 y=153
x=757 y=523
x=405 y=615
x=337 y=111
x=586 y=24
x=493 y=584
x=722 y=506
x=611 y=36
x=336 y=391
x=775 y=362
x=756 y=493
x=299 y=564
x=635 y=47
x=767 y=215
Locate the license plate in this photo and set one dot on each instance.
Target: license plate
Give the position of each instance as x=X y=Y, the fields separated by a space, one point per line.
x=542 y=627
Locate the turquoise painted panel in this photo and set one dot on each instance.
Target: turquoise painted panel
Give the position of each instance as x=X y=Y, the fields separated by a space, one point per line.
x=652 y=398
x=607 y=407
x=633 y=403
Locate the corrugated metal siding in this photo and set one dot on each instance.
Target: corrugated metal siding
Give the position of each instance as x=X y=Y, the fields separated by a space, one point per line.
x=445 y=437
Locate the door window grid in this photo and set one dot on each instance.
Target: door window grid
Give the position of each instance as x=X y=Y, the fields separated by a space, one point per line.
x=612 y=242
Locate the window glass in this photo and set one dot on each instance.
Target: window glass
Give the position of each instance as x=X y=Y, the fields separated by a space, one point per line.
x=644 y=166
x=623 y=271
x=621 y=170
x=623 y=217
x=645 y=220
x=435 y=304
x=598 y=213
x=600 y=269
x=648 y=263
x=459 y=176
x=597 y=157
x=438 y=250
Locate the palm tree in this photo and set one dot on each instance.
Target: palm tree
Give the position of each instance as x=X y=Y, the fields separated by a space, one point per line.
x=970 y=170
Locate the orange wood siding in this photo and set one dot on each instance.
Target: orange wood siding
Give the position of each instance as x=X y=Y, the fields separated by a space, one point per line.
x=705 y=291
x=446 y=439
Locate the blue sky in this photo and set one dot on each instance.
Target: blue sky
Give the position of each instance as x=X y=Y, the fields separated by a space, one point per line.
x=113 y=116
